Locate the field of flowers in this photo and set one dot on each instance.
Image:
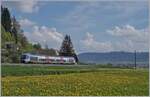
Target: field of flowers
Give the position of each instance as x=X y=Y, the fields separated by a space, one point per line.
x=97 y=83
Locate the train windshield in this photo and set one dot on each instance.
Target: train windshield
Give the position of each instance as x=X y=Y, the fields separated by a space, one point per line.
x=24 y=57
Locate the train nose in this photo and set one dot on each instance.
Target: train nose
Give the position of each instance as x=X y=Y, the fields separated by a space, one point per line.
x=22 y=61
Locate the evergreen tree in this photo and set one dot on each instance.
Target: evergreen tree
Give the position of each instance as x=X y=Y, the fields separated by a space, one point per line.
x=14 y=29
x=67 y=48
x=6 y=19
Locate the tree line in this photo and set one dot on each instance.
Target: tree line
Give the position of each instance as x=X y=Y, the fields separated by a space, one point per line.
x=14 y=42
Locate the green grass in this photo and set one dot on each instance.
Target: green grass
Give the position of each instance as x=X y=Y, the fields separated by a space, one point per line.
x=68 y=80
x=18 y=70
x=8 y=70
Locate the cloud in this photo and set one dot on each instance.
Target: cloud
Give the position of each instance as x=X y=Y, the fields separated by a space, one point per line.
x=45 y=35
x=129 y=38
x=92 y=45
x=42 y=34
x=91 y=14
x=26 y=22
x=26 y=6
x=125 y=38
x=130 y=33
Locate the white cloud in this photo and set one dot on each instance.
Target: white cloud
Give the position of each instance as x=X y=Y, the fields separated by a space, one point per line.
x=41 y=34
x=26 y=6
x=130 y=33
x=127 y=31
x=45 y=35
x=26 y=22
x=92 y=45
x=129 y=38
x=126 y=38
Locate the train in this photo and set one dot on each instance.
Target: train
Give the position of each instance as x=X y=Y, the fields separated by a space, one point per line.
x=33 y=58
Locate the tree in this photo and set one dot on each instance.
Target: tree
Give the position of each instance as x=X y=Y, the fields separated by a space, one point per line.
x=6 y=45
x=37 y=46
x=22 y=39
x=14 y=43
x=46 y=47
x=67 y=48
x=15 y=29
x=6 y=19
x=48 y=52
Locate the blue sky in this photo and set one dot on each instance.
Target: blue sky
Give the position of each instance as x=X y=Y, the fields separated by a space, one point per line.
x=99 y=26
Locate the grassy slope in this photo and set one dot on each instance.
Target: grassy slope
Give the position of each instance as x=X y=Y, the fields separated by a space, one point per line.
x=99 y=82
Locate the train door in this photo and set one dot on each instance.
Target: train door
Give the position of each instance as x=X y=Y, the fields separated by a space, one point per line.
x=61 y=60
x=47 y=59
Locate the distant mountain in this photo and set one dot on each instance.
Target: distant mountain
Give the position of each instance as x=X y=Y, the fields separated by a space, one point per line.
x=114 y=57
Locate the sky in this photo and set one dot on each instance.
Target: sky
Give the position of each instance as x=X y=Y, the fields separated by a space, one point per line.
x=94 y=26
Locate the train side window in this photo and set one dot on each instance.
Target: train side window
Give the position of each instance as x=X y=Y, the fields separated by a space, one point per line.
x=27 y=57
x=42 y=59
x=58 y=60
x=34 y=58
x=51 y=60
x=70 y=60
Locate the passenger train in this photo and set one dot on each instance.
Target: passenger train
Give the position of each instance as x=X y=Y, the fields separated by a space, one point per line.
x=31 y=58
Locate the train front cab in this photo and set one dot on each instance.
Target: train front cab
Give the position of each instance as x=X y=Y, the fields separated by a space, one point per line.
x=25 y=58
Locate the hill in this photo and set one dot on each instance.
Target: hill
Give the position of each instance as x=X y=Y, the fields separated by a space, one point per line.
x=114 y=57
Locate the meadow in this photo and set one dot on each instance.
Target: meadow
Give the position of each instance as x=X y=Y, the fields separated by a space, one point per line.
x=73 y=81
